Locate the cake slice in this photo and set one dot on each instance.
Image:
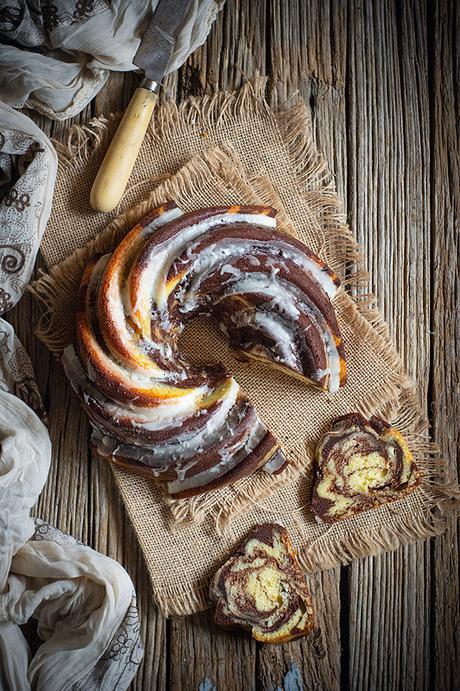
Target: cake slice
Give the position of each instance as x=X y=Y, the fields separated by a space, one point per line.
x=261 y=588
x=360 y=465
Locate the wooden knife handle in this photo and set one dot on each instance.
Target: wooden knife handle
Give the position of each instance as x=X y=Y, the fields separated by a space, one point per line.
x=113 y=175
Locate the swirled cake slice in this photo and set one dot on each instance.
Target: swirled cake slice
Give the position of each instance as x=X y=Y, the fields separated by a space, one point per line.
x=261 y=588
x=360 y=465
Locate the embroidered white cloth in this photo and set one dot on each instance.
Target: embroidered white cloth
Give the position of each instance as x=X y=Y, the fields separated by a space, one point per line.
x=53 y=59
x=28 y=166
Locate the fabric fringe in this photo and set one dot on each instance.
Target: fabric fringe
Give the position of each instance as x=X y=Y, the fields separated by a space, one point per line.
x=440 y=498
x=210 y=111
x=197 y=509
x=438 y=482
x=82 y=141
x=176 y=602
x=326 y=552
x=439 y=493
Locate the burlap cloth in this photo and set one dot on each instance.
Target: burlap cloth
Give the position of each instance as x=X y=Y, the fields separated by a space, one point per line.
x=232 y=148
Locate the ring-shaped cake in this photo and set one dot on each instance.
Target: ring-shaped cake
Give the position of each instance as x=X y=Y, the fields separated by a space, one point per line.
x=151 y=410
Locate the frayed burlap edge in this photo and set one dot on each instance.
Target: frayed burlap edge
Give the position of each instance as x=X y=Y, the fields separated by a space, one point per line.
x=316 y=185
x=439 y=493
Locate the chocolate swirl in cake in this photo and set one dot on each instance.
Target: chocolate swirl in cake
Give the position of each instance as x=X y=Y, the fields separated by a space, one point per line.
x=360 y=465
x=262 y=589
x=152 y=411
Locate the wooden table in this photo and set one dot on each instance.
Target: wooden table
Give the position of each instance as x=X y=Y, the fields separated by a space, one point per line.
x=380 y=78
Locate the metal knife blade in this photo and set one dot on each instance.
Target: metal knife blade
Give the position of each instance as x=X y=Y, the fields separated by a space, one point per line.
x=158 y=42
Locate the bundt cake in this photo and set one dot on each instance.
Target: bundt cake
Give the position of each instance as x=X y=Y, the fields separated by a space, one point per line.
x=151 y=410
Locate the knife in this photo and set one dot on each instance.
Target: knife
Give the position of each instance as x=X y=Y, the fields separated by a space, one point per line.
x=152 y=57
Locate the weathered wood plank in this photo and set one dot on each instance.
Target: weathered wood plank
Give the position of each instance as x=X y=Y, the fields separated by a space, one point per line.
x=389 y=210
x=235 y=50
x=445 y=328
x=199 y=652
x=308 y=44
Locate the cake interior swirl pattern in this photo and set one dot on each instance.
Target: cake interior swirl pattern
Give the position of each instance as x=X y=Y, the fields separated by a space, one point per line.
x=261 y=588
x=153 y=412
x=361 y=465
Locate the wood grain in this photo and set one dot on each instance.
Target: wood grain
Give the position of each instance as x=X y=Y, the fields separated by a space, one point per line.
x=445 y=323
x=382 y=79
x=389 y=210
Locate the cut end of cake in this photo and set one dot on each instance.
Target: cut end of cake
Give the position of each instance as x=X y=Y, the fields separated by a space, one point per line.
x=360 y=465
x=262 y=589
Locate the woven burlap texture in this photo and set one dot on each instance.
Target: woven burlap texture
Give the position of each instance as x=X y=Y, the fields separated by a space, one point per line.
x=231 y=148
